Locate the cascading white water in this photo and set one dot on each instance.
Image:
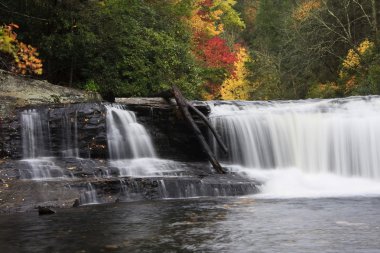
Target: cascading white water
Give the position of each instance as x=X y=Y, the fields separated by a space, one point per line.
x=130 y=147
x=35 y=143
x=126 y=137
x=89 y=197
x=70 y=135
x=33 y=134
x=336 y=136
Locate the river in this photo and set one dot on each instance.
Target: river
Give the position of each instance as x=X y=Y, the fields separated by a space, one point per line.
x=317 y=161
x=201 y=225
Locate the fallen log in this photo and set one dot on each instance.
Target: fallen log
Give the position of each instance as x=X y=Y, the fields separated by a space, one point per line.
x=205 y=120
x=183 y=106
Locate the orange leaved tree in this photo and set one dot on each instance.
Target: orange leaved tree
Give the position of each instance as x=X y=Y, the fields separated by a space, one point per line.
x=17 y=56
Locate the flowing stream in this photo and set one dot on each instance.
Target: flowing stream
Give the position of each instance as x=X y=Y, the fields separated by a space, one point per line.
x=201 y=225
x=127 y=139
x=318 y=161
x=36 y=149
x=306 y=148
x=130 y=147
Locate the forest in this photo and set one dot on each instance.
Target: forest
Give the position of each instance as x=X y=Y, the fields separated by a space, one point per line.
x=211 y=49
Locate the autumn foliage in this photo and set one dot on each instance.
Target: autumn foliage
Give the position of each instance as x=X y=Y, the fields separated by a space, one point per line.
x=237 y=86
x=304 y=10
x=19 y=57
x=205 y=20
x=354 y=66
x=211 y=48
x=216 y=53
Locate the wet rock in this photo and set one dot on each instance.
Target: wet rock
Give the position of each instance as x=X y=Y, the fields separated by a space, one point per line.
x=80 y=129
x=76 y=203
x=83 y=127
x=45 y=210
x=111 y=247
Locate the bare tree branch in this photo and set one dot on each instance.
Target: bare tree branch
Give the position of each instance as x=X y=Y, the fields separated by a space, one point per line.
x=21 y=14
x=364 y=12
x=5 y=6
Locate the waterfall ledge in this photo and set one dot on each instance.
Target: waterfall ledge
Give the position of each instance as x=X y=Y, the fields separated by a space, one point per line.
x=77 y=145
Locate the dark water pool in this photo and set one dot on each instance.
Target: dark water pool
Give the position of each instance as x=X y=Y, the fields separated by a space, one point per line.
x=201 y=225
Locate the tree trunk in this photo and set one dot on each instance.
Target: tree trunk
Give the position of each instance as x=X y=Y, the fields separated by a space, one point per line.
x=375 y=22
x=205 y=120
x=71 y=72
x=183 y=106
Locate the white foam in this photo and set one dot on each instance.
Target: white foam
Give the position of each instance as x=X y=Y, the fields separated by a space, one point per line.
x=126 y=137
x=294 y=183
x=145 y=167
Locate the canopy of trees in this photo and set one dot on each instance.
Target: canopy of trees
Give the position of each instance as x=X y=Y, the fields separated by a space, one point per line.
x=211 y=49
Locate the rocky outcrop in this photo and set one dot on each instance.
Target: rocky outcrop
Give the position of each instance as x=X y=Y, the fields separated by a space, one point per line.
x=67 y=124
x=169 y=131
x=85 y=183
x=63 y=107
x=18 y=91
x=85 y=123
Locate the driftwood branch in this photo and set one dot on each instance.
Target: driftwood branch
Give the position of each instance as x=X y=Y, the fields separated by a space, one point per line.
x=183 y=106
x=205 y=120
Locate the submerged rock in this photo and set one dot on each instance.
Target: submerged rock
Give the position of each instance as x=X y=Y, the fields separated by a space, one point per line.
x=45 y=210
x=76 y=203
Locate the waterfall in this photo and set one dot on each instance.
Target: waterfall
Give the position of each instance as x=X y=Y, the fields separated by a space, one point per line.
x=36 y=149
x=34 y=137
x=131 y=149
x=126 y=137
x=89 y=197
x=70 y=135
x=129 y=144
x=337 y=136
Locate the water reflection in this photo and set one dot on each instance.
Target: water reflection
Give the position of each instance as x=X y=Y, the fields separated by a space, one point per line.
x=217 y=225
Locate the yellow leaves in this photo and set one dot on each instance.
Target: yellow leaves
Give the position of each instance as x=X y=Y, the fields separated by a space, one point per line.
x=215 y=15
x=206 y=21
x=352 y=59
x=236 y=87
x=197 y=24
x=25 y=57
x=7 y=39
x=365 y=46
x=200 y=25
x=214 y=30
x=303 y=11
x=355 y=67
